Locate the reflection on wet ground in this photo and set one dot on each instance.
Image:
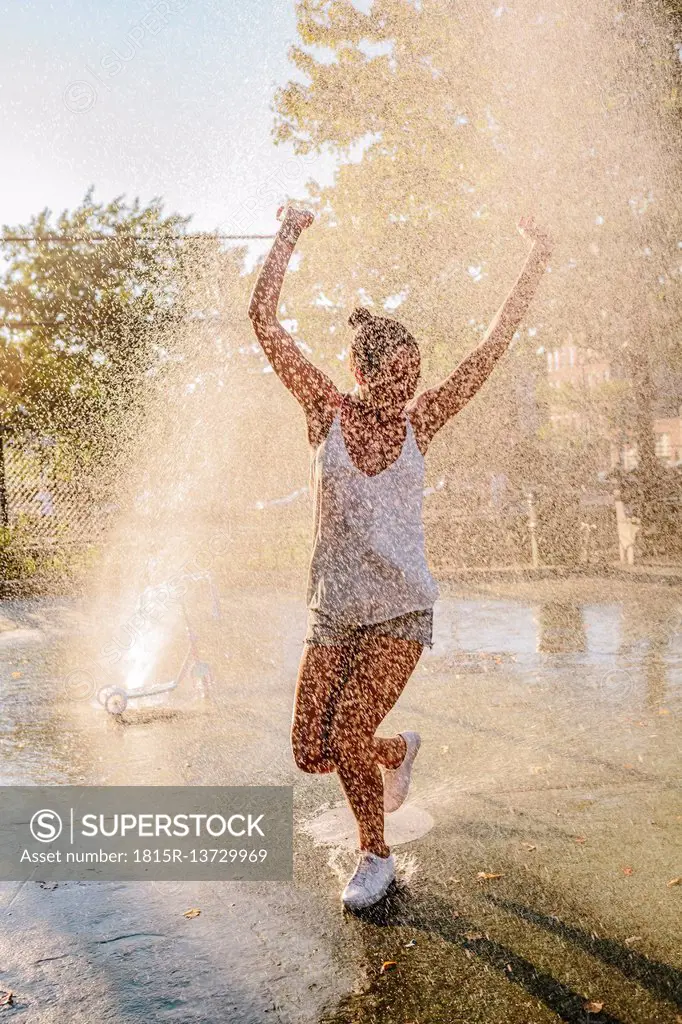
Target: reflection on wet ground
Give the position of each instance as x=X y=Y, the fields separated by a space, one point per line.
x=550 y=760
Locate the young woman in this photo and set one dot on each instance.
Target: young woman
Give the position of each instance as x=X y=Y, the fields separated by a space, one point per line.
x=370 y=593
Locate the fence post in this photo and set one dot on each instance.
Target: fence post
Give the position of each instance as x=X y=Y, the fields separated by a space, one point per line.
x=4 y=512
x=532 y=527
x=628 y=528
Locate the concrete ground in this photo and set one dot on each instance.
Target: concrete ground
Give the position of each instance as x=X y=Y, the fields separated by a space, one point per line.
x=549 y=712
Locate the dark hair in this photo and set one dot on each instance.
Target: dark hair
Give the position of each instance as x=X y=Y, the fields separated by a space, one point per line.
x=376 y=338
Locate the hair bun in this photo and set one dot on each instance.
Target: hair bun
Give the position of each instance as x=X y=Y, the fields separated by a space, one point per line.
x=359 y=316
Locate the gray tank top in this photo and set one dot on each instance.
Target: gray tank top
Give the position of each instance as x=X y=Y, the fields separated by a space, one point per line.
x=368 y=562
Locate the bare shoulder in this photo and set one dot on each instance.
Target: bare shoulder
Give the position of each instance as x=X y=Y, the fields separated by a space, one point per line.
x=414 y=412
x=320 y=419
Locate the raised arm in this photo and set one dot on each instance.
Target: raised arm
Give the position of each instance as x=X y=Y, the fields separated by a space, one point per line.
x=310 y=386
x=436 y=406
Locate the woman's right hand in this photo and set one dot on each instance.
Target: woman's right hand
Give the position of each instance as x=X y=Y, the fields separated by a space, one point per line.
x=296 y=219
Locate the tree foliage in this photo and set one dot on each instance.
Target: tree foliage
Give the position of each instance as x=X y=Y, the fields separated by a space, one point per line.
x=453 y=120
x=82 y=316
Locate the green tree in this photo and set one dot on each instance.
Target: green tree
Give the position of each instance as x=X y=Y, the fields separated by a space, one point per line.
x=454 y=119
x=81 y=314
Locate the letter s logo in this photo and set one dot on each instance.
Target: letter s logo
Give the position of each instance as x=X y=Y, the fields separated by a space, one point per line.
x=46 y=826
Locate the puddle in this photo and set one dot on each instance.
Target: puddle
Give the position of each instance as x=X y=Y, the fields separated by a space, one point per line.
x=336 y=826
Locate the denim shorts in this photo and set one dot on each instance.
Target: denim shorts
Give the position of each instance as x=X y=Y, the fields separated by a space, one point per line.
x=327 y=631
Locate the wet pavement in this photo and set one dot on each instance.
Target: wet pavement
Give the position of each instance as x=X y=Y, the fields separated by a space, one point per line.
x=550 y=717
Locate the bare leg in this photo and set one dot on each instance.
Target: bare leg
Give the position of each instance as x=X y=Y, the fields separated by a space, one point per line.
x=321 y=679
x=378 y=676
x=390 y=752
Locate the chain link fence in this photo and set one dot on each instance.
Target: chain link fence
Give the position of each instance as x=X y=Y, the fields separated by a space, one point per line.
x=56 y=515
x=53 y=510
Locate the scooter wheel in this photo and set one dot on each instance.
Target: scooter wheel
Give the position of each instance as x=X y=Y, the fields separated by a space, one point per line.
x=116 y=702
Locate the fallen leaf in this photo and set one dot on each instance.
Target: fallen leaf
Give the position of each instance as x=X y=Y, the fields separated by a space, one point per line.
x=593 y=1007
x=580 y=839
x=487 y=875
x=456 y=913
x=628 y=766
x=627 y=871
x=473 y=936
x=6 y=997
x=633 y=938
x=675 y=881
x=663 y=711
x=192 y=912
x=582 y=805
x=388 y=965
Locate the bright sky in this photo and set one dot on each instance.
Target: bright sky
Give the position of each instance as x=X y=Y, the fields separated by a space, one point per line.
x=166 y=98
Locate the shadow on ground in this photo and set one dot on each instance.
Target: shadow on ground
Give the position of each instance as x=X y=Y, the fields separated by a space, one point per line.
x=437 y=973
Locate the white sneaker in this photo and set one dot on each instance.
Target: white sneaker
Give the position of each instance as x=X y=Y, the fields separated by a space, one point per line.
x=370 y=880
x=397 y=780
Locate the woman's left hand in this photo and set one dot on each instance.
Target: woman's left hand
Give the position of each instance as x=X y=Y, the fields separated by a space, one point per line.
x=529 y=228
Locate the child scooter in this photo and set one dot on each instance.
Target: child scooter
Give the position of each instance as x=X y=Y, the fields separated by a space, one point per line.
x=115 y=699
